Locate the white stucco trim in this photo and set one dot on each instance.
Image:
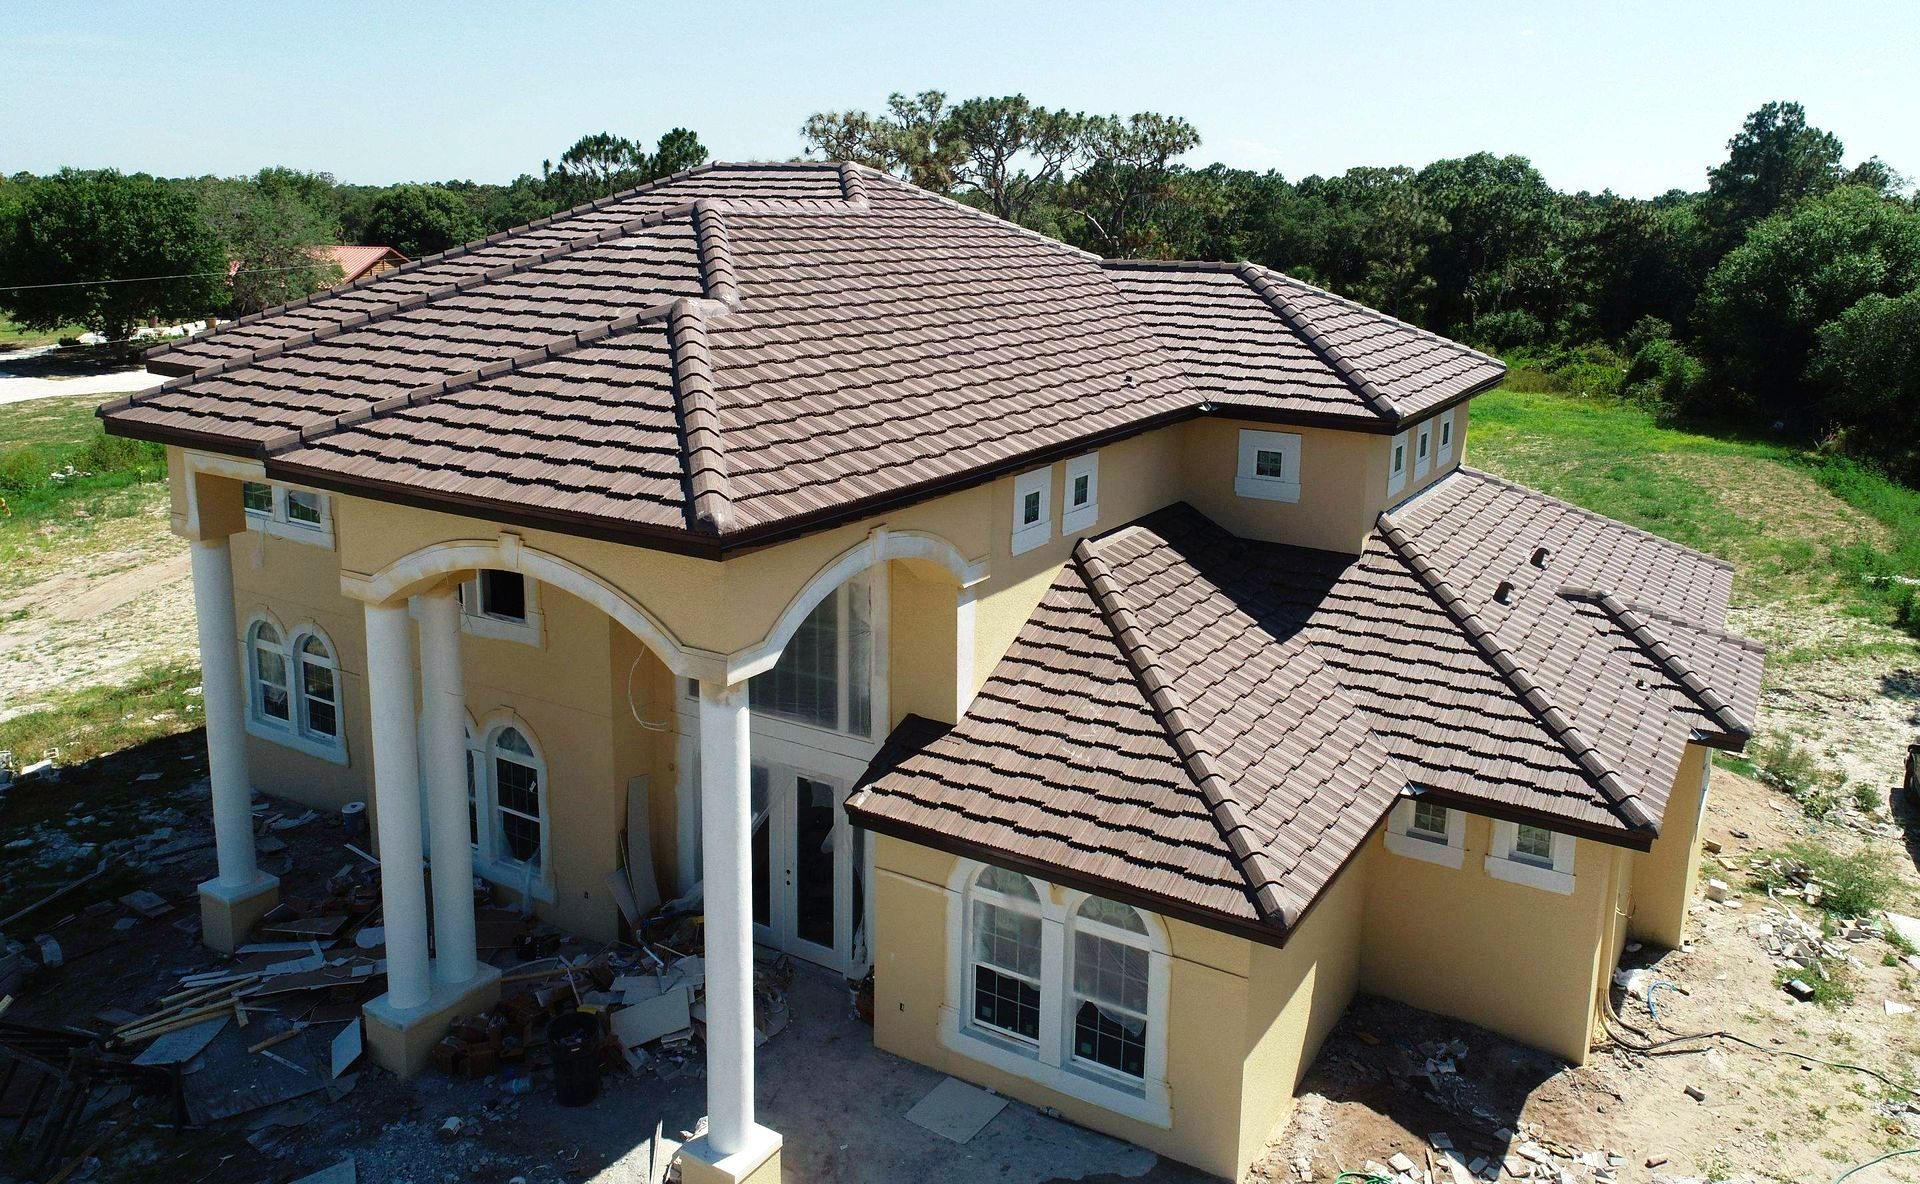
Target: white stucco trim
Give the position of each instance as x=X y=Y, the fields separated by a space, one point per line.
x=1502 y=864
x=288 y=734
x=1050 y=1063
x=195 y=463
x=879 y=546
x=1074 y=519
x=1398 y=449
x=1402 y=840
x=1247 y=481
x=508 y=873
x=510 y=553
x=1028 y=535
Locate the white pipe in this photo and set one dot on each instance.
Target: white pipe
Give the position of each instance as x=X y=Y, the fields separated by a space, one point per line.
x=725 y=762
x=444 y=765
x=396 y=791
x=223 y=698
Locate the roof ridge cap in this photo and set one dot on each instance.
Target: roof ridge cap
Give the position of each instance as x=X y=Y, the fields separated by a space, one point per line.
x=1256 y=277
x=1583 y=512
x=1531 y=693
x=1261 y=871
x=1656 y=647
x=867 y=172
x=1170 y=265
x=715 y=251
x=422 y=395
x=453 y=252
x=1654 y=612
x=696 y=389
x=417 y=300
x=1371 y=311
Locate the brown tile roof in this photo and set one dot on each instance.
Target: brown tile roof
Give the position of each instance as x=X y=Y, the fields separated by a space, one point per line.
x=745 y=350
x=1287 y=696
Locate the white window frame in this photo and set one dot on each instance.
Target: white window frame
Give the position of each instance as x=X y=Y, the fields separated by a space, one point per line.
x=1071 y=998
x=1505 y=863
x=1403 y=839
x=329 y=662
x=276 y=522
x=1077 y=518
x=477 y=621
x=1028 y=535
x=1397 y=463
x=489 y=861
x=1247 y=480
x=1050 y=1062
x=1443 y=450
x=1423 y=451
x=978 y=894
x=292 y=732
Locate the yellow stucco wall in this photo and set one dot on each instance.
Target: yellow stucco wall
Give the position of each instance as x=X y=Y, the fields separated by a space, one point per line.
x=1663 y=877
x=1510 y=957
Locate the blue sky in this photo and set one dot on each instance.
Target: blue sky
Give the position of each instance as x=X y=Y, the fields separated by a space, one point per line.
x=1639 y=97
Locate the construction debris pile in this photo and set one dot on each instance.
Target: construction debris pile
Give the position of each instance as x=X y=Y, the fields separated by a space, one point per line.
x=1530 y=1155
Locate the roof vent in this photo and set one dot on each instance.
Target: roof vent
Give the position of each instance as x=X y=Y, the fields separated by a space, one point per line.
x=1504 y=593
x=1539 y=559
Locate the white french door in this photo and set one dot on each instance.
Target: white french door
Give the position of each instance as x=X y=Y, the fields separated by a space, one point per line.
x=802 y=864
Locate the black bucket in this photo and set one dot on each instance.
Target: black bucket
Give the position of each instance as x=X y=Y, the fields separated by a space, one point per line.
x=573 y=1038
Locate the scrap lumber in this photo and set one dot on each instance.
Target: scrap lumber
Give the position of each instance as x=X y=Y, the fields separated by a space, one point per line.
x=56 y=894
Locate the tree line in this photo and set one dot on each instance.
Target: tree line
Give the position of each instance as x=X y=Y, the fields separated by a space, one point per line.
x=1783 y=295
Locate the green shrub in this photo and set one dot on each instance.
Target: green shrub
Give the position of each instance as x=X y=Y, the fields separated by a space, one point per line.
x=1850 y=885
x=1663 y=374
x=1511 y=329
x=1781 y=762
x=22 y=471
x=1833 y=981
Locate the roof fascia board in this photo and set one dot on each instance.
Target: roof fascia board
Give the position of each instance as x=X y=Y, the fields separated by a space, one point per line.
x=1466 y=803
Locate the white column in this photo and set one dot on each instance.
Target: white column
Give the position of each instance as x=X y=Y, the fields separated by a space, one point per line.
x=727 y=886
x=396 y=795
x=963 y=689
x=223 y=697
x=444 y=767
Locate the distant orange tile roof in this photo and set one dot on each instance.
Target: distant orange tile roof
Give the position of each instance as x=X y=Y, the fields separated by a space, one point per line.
x=354 y=261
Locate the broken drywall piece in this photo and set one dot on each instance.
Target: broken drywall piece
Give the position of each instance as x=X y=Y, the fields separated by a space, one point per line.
x=642 y=1023
x=147 y=904
x=372 y=937
x=955 y=1110
x=346 y=1048
x=181 y=1046
x=623 y=897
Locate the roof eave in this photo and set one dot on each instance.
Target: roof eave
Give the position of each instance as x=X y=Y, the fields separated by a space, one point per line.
x=1637 y=838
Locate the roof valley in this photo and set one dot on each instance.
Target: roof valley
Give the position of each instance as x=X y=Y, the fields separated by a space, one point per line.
x=1529 y=691
x=1264 y=876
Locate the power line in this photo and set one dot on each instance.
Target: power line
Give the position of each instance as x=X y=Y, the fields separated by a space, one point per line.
x=147 y=279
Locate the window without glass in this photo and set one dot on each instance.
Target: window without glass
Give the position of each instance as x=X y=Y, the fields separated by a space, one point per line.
x=503 y=595
x=1005 y=948
x=303 y=508
x=1533 y=844
x=288 y=513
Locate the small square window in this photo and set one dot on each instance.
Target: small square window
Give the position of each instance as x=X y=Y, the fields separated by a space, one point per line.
x=257 y=497
x=1032 y=511
x=1269 y=466
x=1083 y=494
x=1430 y=819
x=303 y=508
x=1533 y=844
x=503 y=594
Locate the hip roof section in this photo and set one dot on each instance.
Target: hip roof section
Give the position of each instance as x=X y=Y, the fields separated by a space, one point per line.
x=742 y=350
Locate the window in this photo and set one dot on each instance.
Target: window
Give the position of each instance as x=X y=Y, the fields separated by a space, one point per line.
x=1397 y=465
x=1006 y=954
x=1032 y=509
x=1269 y=466
x=271 y=700
x=293 y=693
x=1446 y=437
x=287 y=513
x=517 y=799
x=503 y=605
x=1422 y=829
x=1071 y=994
x=824 y=677
x=1523 y=853
x=1423 y=451
x=1110 y=986
x=1083 y=494
x=319 y=690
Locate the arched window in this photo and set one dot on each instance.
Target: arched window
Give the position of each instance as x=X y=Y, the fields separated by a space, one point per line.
x=517 y=776
x=1005 y=953
x=319 y=690
x=267 y=663
x=1108 y=986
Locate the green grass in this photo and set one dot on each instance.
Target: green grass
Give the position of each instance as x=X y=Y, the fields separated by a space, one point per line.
x=1736 y=498
x=17 y=335
x=45 y=437
x=1852 y=885
x=96 y=721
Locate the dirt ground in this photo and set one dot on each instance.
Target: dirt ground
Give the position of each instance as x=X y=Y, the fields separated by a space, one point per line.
x=1764 y=1115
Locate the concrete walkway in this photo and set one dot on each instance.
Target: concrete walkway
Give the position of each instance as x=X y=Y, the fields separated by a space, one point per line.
x=38 y=373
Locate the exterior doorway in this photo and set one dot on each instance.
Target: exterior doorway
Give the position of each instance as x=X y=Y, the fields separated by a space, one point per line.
x=803 y=864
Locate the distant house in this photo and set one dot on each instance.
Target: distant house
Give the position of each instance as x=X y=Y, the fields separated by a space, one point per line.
x=355 y=262
x=363 y=262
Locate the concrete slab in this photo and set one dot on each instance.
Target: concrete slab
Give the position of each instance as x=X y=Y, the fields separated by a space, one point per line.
x=956 y=1110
